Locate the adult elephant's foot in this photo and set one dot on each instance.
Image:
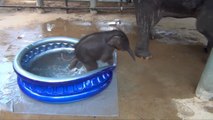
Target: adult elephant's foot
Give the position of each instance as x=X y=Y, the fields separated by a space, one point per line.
x=144 y=54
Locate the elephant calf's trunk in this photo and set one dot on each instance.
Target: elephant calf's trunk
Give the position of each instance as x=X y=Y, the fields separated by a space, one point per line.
x=131 y=53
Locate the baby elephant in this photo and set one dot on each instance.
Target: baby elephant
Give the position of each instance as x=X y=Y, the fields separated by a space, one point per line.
x=100 y=46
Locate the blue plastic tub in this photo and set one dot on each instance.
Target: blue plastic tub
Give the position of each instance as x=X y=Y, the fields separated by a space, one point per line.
x=46 y=85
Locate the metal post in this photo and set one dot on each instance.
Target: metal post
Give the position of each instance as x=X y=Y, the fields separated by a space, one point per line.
x=93 y=6
x=66 y=4
x=1 y=3
x=40 y=3
x=205 y=86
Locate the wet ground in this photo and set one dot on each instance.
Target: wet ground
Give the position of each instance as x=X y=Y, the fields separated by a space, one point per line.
x=160 y=88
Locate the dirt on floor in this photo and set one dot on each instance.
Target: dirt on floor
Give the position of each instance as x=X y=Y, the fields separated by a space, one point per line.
x=160 y=88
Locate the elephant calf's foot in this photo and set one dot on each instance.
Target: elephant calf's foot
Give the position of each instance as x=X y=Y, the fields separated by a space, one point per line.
x=144 y=55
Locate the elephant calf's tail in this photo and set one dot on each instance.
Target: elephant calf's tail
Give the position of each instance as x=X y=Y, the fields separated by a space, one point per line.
x=73 y=63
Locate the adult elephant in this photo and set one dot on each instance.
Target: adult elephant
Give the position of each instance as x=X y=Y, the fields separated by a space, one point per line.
x=149 y=12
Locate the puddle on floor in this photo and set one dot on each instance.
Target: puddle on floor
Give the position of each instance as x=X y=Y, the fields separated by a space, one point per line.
x=9 y=90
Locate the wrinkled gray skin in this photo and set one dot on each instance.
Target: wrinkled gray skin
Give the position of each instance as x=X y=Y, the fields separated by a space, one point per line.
x=100 y=46
x=149 y=13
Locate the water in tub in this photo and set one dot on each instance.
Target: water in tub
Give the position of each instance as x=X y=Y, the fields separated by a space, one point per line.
x=56 y=65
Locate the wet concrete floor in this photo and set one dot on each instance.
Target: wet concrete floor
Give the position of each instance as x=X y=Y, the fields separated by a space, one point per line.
x=146 y=89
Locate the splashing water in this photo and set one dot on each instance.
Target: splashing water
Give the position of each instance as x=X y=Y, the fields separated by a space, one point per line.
x=56 y=65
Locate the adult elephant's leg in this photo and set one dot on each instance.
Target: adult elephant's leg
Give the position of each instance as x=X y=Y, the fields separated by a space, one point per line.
x=145 y=15
x=153 y=33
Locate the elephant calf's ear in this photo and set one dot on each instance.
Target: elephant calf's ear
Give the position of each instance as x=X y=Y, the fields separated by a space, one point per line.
x=114 y=41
